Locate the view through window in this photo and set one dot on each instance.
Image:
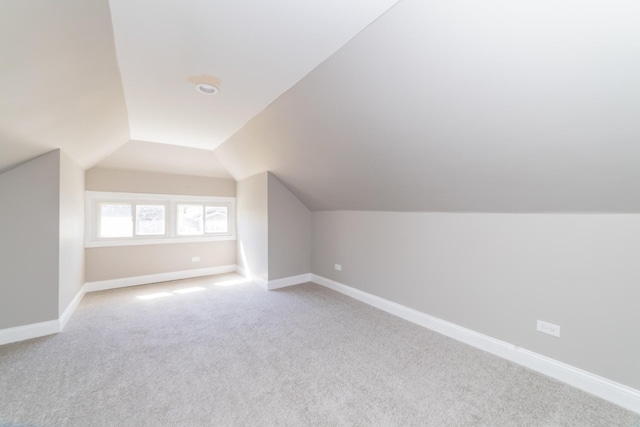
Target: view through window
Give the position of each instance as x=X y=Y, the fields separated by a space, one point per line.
x=126 y=218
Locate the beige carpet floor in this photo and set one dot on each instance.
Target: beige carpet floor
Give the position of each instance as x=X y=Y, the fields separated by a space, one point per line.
x=224 y=353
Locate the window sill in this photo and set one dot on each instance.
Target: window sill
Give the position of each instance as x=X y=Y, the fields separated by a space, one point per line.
x=155 y=241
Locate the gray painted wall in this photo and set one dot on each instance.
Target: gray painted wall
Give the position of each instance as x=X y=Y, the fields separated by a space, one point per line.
x=71 y=238
x=117 y=262
x=289 y=232
x=498 y=273
x=253 y=226
x=29 y=228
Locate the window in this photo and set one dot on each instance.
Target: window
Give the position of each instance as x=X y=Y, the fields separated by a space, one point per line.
x=202 y=219
x=216 y=219
x=150 y=220
x=118 y=219
x=115 y=220
x=190 y=220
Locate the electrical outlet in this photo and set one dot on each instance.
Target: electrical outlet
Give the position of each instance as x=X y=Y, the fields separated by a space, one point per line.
x=548 y=328
x=338 y=267
x=195 y=259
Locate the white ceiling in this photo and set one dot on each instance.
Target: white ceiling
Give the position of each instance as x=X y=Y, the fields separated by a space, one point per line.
x=460 y=105
x=257 y=49
x=165 y=158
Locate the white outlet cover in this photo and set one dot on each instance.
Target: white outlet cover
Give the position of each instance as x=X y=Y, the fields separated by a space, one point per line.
x=195 y=259
x=548 y=328
x=338 y=267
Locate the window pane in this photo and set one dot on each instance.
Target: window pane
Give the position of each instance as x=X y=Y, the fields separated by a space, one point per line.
x=216 y=219
x=190 y=220
x=150 y=220
x=115 y=220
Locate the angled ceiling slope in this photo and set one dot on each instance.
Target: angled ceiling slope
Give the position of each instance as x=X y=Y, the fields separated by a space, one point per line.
x=492 y=106
x=253 y=50
x=59 y=81
x=164 y=158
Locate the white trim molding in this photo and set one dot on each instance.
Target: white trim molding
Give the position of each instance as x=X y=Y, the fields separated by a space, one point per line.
x=93 y=200
x=604 y=388
x=41 y=329
x=36 y=330
x=241 y=271
x=270 y=285
x=258 y=280
x=71 y=308
x=288 y=281
x=156 y=278
x=27 y=332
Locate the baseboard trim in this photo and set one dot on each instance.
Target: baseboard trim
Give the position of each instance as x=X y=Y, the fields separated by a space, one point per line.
x=260 y=281
x=288 y=281
x=71 y=308
x=104 y=285
x=271 y=285
x=241 y=271
x=27 y=332
x=36 y=330
x=604 y=388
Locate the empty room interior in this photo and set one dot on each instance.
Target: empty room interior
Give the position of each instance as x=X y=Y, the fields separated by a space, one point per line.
x=332 y=213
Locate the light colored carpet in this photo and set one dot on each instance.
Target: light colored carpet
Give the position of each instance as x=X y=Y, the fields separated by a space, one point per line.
x=237 y=355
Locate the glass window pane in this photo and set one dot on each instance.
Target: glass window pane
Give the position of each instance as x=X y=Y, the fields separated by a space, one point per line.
x=150 y=220
x=115 y=220
x=216 y=219
x=190 y=220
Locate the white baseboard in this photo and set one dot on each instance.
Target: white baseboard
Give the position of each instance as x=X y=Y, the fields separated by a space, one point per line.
x=241 y=271
x=258 y=280
x=288 y=281
x=35 y=330
x=270 y=285
x=619 y=394
x=26 y=332
x=156 y=278
x=71 y=308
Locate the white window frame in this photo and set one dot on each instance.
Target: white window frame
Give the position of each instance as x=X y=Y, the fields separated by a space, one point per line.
x=93 y=200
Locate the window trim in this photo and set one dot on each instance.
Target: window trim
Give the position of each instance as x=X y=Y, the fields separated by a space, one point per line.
x=93 y=200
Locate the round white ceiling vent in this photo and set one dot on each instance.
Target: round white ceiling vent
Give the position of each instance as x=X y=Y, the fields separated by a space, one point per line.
x=207 y=89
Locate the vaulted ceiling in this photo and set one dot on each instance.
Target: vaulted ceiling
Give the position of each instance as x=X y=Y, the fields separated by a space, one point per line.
x=492 y=106
x=252 y=50
x=59 y=81
x=154 y=157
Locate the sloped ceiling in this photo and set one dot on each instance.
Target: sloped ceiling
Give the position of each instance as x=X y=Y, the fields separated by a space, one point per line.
x=253 y=50
x=165 y=158
x=493 y=106
x=59 y=81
